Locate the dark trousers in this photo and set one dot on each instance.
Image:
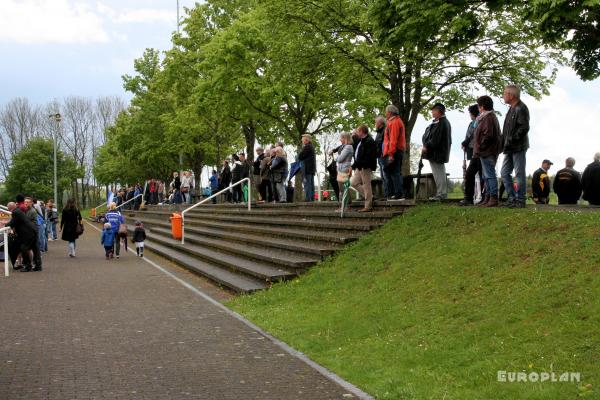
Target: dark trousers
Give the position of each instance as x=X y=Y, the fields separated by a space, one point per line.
x=37 y=255
x=212 y=192
x=25 y=248
x=335 y=186
x=394 y=176
x=472 y=170
x=238 y=194
x=108 y=251
x=266 y=190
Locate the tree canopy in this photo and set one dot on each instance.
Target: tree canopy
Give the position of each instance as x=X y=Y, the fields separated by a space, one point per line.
x=264 y=70
x=32 y=171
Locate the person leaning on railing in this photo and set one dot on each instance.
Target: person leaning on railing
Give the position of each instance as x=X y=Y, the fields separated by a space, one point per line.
x=344 y=161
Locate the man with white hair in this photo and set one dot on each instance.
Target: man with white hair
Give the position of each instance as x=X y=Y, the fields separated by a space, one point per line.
x=591 y=182
x=567 y=183
x=394 y=146
x=515 y=134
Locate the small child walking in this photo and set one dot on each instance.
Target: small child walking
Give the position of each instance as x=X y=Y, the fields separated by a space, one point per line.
x=139 y=235
x=108 y=240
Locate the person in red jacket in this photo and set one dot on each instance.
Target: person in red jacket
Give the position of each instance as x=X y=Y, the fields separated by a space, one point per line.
x=394 y=145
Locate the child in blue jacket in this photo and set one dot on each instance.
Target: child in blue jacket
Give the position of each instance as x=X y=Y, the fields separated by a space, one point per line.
x=108 y=240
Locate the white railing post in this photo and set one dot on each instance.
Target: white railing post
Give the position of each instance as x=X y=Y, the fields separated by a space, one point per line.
x=249 y=193
x=210 y=198
x=6 y=256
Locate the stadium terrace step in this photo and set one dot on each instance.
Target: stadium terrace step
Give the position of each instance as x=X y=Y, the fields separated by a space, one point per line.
x=244 y=265
x=258 y=229
x=326 y=222
x=249 y=250
x=274 y=242
x=231 y=280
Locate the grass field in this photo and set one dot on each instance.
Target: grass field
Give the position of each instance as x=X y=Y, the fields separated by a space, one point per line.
x=439 y=300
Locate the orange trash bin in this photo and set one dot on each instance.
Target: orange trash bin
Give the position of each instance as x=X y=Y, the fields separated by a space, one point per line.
x=93 y=213
x=176 y=225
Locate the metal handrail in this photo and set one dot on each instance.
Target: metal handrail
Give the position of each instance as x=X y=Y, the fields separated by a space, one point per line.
x=4 y=231
x=130 y=200
x=210 y=198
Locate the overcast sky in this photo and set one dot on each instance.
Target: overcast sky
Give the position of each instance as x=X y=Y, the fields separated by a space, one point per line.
x=56 y=48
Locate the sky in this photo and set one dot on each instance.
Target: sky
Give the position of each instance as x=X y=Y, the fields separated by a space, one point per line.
x=51 y=49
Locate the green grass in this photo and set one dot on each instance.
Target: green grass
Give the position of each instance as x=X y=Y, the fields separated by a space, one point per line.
x=432 y=305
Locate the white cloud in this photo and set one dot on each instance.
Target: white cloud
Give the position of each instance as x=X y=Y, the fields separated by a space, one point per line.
x=141 y=15
x=49 y=21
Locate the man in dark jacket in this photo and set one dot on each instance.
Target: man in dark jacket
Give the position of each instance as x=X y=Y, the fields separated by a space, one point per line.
x=365 y=162
x=487 y=145
x=567 y=183
x=436 y=148
x=26 y=233
x=309 y=169
x=590 y=182
x=515 y=134
x=540 y=184
x=226 y=180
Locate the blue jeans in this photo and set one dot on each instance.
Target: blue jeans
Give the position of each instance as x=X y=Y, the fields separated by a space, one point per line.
x=42 y=238
x=516 y=161
x=394 y=176
x=51 y=230
x=308 y=182
x=488 y=165
x=384 y=177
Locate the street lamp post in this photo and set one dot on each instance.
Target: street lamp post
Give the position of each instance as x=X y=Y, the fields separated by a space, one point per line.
x=56 y=118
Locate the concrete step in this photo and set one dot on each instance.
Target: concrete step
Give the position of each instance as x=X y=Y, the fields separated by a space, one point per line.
x=252 y=252
x=378 y=205
x=234 y=281
x=328 y=213
x=309 y=235
x=334 y=223
x=273 y=242
x=235 y=263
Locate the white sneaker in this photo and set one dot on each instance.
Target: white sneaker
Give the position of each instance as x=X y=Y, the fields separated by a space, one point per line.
x=117 y=256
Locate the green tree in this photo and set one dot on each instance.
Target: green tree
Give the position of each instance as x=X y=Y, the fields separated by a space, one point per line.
x=416 y=53
x=573 y=25
x=32 y=171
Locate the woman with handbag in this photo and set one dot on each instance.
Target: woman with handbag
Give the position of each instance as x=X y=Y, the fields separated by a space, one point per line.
x=344 y=161
x=279 y=169
x=71 y=225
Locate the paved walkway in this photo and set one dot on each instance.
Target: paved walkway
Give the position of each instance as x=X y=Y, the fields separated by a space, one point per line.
x=87 y=328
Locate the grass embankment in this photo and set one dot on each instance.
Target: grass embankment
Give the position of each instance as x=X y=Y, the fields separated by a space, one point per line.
x=439 y=300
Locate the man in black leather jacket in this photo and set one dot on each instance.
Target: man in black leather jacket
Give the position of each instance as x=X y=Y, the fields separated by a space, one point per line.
x=436 y=148
x=515 y=136
x=591 y=182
